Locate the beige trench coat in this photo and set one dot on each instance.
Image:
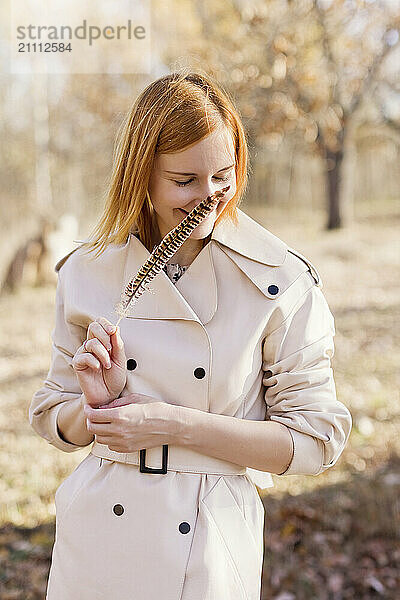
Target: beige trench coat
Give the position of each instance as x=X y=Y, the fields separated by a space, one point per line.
x=249 y=316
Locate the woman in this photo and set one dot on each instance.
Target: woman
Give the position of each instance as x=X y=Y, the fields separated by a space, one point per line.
x=221 y=372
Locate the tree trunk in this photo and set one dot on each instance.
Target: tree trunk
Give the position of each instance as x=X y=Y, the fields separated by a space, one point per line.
x=334 y=161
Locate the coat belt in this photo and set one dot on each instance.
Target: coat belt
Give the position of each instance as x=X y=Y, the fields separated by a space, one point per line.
x=179 y=459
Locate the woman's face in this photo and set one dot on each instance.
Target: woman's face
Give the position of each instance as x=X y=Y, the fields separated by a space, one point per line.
x=181 y=180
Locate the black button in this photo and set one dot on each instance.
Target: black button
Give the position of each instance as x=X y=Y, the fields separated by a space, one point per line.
x=184 y=527
x=199 y=372
x=268 y=374
x=131 y=364
x=273 y=289
x=118 y=509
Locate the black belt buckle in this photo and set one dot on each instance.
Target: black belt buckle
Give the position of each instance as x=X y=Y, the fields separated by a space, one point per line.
x=144 y=469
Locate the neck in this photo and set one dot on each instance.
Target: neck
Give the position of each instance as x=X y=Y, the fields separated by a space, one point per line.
x=187 y=252
x=190 y=248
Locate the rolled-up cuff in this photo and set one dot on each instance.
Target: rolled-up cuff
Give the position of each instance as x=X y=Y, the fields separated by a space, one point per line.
x=56 y=440
x=308 y=455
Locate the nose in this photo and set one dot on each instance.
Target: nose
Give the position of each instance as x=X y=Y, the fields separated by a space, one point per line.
x=205 y=190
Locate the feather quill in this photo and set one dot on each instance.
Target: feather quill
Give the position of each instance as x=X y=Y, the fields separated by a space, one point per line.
x=164 y=251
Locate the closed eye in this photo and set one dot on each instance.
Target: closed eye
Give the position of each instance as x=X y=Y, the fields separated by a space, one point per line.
x=183 y=183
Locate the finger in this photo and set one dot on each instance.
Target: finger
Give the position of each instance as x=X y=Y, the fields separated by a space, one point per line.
x=118 y=350
x=81 y=362
x=108 y=327
x=94 y=346
x=98 y=428
x=96 y=330
x=97 y=415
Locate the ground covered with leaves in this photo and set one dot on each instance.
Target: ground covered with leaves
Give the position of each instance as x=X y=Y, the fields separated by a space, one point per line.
x=330 y=537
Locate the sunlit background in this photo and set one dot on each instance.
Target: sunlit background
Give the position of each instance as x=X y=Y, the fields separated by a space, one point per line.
x=318 y=88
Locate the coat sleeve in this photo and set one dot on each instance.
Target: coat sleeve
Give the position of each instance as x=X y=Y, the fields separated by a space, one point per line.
x=61 y=384
x=300 y=389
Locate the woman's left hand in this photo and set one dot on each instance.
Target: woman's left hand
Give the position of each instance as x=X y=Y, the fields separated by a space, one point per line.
x=134 y=422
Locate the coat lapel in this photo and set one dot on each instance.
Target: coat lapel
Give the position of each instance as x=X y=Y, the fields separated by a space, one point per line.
x=251 y=247
x=189 y=298
x=198 y=285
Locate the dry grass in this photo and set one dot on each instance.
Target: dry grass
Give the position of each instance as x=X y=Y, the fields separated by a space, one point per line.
x=349 y=507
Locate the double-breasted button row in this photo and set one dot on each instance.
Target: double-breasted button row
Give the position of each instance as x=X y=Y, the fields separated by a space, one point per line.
x=199 y=372
x=118 y=510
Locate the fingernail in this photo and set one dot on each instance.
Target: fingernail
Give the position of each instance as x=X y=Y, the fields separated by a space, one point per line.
x=110 y=329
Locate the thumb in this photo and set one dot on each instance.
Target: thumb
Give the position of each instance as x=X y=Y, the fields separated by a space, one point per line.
x=117 y=352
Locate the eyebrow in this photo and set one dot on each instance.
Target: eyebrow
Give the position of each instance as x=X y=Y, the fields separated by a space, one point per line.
x=180 y=173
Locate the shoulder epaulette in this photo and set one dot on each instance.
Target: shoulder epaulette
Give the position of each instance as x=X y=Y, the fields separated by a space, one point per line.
x=316 y=276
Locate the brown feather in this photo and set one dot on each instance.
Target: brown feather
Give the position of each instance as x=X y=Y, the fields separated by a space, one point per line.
x=164 y=251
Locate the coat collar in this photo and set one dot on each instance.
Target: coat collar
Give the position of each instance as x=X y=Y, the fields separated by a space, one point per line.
x=194 y=295
x=251 y=240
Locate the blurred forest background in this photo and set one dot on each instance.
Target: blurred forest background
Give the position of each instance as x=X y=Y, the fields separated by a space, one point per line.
x=317 y=84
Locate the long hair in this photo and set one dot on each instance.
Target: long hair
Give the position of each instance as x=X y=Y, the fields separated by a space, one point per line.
x=172 y=113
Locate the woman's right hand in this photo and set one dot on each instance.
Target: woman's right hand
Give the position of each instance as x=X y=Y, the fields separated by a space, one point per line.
x=104 y=346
